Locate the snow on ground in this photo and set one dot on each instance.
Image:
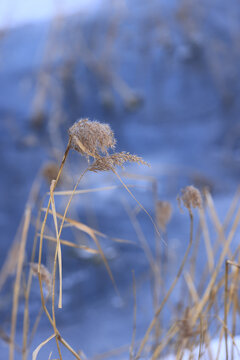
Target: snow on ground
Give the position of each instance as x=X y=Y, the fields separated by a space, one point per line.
x=212 y=351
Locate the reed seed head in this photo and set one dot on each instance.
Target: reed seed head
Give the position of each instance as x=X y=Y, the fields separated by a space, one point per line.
x=163 y=214
x=191 y=197
x=91 y=138
x=109 y=162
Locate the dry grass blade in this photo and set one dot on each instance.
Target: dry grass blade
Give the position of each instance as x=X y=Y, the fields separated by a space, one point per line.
x=10 y=263
x=123 y=241
x=18 y=280
x=87 y=191
x=227 y=263
x=134 y=317
x=141 y=237
x=153 y=322
x=232 y=208
x=141 y=206
x=36 y=351
x=203 y=301
x=111 y=353
x=219 y=227
x=225 y=308
x=170 y=334
x=191 y=287
x=27 y=294
x=42 y=232
x=6 y=338
x=71 y=244
x=58 y=246
x=92 y=233
x=230 y=334
x=78 y=225
x=206 y=239
x=67 y=346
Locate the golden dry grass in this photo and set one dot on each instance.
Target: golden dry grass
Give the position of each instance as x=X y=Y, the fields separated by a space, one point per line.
x=212 y=296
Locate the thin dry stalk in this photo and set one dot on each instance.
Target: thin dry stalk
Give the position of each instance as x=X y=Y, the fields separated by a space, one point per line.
x=227 y=263
x=58 y=246
x=235 y=307
x=225 y=308
x=36 y=351
x=18 y=280
x=71 y=244
x=44 y=224
x=232 y=208
x=201 y=338
x=152 y=324
x=198 y=309
x=216 y=222
x=89 y=231
x=168 y=337
x=191 y=287
x=53 y=305
x=206 y=239
x=67 y=346
x=141 y=237
x=10 y=263
x=229 y=334
x=134 y=316
x=27 y=293
x=87 y=191
x=41 y=244
x=58 y=255
x=141 y=206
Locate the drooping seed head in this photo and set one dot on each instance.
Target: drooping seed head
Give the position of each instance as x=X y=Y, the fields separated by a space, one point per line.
x=91 y=138
x=109 y=162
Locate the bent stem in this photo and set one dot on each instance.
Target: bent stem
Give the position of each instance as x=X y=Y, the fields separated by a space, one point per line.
x=58 y=234
x=141 y=206
x=152 y=324
x=225 y=308
x=18 y=280
x=41 y=244
x=48 y=207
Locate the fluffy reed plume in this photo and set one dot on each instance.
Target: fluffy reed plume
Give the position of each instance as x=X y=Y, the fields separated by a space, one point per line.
x=91 y=138
x=45 y=275
x=109 y=162
x=163 y=214
x=191 y=198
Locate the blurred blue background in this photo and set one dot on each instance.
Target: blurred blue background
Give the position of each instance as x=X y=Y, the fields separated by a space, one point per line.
x=165 y=76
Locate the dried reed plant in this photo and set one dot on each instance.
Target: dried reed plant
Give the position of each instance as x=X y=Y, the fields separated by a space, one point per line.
x=192 y=326
x=93 y=140
x=190 y=197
